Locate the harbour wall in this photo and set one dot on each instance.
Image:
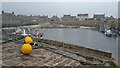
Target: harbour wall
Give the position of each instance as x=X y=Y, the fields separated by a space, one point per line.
x=76 y=48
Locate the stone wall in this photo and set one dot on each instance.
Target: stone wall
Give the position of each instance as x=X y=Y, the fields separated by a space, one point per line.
x=76 y=48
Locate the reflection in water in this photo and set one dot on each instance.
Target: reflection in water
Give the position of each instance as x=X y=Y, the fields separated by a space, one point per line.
x=83 y=37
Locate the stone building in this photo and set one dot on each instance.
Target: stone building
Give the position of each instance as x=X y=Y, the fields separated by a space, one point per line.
x=35 y=18
x=99 y=16
x=109 y=18
x=22 y=19
x=82 y=16
x=26 y=20
x=69 y=17
x=43 y=19
x=73 y=18
x=55 y=18
x=9 y=19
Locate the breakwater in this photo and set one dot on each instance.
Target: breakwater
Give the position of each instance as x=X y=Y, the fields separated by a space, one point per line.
x=76 y=48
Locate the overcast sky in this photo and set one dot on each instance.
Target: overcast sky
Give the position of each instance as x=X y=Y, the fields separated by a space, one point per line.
x=60 y=0
x=61 y=8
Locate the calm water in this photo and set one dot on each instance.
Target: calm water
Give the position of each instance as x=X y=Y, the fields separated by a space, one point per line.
x=83 y=37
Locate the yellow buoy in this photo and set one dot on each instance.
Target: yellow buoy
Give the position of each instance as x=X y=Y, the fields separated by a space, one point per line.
x=28 y=40
x=26 y=48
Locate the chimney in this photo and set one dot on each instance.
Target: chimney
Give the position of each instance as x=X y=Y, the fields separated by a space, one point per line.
x=13 y=13
x=2 y=12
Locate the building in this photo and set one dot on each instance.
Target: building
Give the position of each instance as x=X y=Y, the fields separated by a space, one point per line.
x=26 y=20
x=8 y=16
x=43 y=19
x=9 y=19
x=22 y=18
x=73 y=17
x=55 y=18
x=99 y=17
x=35 y=17
x=69 y=17
x=82 y=16
x=109 y=18
x=66 y=17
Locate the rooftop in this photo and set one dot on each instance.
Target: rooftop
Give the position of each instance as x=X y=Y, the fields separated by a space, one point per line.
x=82 y=15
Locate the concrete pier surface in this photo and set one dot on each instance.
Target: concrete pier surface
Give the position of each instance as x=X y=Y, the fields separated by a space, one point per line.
x=44 y=55
x=38 y=57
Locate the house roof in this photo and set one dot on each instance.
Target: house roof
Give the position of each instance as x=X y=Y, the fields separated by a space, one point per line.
x=82 y=15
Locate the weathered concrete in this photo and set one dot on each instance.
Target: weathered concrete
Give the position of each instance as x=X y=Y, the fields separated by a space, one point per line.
x=42 y=56
x=38 y=57
x=76 y=48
